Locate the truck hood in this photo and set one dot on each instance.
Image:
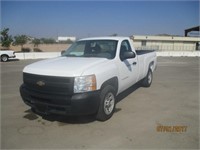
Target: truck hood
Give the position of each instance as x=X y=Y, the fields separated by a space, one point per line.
x=63 y=66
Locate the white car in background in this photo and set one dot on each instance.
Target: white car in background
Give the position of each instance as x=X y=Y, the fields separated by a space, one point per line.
x=6 y=54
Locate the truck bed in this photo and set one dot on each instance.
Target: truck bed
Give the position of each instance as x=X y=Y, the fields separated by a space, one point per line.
x=141 y=52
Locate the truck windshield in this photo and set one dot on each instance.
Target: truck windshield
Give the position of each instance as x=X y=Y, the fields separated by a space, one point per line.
x=92 y=48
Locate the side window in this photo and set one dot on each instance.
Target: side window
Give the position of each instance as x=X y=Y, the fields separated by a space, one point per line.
x=125 y=47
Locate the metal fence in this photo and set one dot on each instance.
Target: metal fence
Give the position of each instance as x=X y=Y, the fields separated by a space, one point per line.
x=168 y=48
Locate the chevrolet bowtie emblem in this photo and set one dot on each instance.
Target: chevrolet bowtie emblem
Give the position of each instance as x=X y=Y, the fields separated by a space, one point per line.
x=40 y=83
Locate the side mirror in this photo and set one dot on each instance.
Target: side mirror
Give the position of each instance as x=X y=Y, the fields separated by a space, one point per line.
x=127 y=55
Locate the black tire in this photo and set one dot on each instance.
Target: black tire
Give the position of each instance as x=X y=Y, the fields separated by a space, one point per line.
x=148 y=79
x=107 y=104
x=33 y=110
x=4 y=58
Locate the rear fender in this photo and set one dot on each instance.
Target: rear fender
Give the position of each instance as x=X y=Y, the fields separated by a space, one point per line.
x=151 y=66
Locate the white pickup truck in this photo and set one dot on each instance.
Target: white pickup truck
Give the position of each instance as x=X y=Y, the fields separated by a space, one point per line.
x=87 y=77
x=6 y=54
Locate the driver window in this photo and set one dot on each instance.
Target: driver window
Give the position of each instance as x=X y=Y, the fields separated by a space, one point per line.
x=125 y=47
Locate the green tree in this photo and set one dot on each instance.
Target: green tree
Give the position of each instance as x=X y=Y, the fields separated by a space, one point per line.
x=6 y=39
x=69 y=41
x=66 y=42
x=36 y=42
x=48 y=40
x=20 y=40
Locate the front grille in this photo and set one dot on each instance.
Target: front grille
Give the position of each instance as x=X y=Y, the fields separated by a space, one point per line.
x=49 y=84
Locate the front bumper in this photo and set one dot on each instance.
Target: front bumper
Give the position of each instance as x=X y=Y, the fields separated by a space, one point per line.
x=47 y=103
x=13 y=56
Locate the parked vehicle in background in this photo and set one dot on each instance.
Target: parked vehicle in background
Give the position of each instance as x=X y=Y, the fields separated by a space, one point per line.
x=87 y=77
x=6 y=54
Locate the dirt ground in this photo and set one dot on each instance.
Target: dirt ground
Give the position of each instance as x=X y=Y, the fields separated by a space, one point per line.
x=43 y=47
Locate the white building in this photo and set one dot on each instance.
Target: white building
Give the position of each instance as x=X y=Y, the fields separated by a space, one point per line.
x=66 y=38
x=166 y=43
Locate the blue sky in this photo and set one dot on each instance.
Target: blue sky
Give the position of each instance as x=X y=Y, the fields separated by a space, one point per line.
x=98 y=18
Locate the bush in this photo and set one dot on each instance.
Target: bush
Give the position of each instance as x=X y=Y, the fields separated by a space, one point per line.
x=26 y=50
x=20 y=40
x=47 y=41
x=37 y=50
x=36 y=42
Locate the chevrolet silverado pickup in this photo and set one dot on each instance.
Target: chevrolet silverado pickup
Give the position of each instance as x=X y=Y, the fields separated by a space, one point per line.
x=6 y=54
x=87 y=77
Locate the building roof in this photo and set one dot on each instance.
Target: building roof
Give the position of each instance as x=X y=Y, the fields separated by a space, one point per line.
x=166 y=38
x=191 y=29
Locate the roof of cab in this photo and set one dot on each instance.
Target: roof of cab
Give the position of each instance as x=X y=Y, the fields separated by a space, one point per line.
x=105 y=38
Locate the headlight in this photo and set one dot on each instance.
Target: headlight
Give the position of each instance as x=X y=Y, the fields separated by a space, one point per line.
x=84 y=84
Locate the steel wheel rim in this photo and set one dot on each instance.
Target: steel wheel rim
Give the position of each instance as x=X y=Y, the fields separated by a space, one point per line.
x=4 y=58
x=109 y=103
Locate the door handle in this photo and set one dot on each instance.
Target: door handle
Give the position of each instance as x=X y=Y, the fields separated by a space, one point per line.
x=134 y=63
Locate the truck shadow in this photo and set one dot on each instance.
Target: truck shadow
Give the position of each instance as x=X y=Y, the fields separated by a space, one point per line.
x=30 y=115
x=64 y=120
x=10 y=60
x=13 y=59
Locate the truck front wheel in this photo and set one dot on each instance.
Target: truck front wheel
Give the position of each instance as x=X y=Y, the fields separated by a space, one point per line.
x=148 y=79
x=107 y=104
x=4 y=58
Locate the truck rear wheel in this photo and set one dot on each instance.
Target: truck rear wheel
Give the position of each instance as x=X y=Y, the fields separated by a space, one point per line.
x=148 y=79
x=107 y=104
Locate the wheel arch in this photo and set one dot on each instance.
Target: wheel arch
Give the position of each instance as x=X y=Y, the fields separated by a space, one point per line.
x=112 y=82
x=4 y=55
x=151 y=65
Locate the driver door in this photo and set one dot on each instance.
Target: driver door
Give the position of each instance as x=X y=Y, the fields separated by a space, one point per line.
x=127 y=68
